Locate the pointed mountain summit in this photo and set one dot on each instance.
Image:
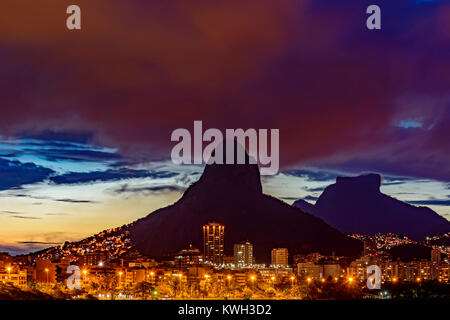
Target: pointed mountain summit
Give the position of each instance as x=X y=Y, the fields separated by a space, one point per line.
x=231 y=180
x=231 y=194
x=356 y=204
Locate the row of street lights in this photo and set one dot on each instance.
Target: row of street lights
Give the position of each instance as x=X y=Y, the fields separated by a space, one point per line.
x=229 y=277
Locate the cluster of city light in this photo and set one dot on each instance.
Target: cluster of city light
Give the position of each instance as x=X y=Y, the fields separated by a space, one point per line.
x=255 y=277
x=114 y=242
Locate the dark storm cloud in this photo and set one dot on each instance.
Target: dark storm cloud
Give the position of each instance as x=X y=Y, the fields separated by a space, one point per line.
x=23 y=247
x=26 y=217
x=14 y=174
x=310 y=198
x=74 y=200
x=56 y=150
x=49 y=198
x=338 y=92
x=6 y=154
x=58 y=137
x=74 y=155
x=393 y=183
x=20 y=215
x=38 y=242
x=109 y=175
x=431 y=202
x=125 y=188
x=318 y=189
x=288 y=198
x=311 y=175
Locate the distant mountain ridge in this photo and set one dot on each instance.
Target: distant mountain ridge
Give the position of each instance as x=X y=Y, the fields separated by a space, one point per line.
x=232 y=195
x=356 y=205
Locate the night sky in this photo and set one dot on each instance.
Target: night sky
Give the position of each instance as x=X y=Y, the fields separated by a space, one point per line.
x=86 y=116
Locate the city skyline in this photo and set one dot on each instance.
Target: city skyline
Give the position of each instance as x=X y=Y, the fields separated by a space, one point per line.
x=129 y=275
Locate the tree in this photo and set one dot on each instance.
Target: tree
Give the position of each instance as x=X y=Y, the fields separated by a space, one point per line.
x=143 y=289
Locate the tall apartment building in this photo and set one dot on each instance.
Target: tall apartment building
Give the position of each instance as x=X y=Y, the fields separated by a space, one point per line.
x=213 y=242
x=243 y=254
x=279 y=257
x=444 y=274
x=435 y=263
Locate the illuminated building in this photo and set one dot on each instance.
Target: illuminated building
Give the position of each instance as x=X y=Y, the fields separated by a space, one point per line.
x=92 y=259
x=213 y=242
x=279 y=257
x=45 y=271
x=243 y=254
x=228 y=260
x=424 y=271
x=389 y=271
x=188 y=258
x=435 y=262
x=14 y=276
x=444 y=275
x=370 y=247
x=331 y=270
x=358 y=268
x=408 y=271
x=309 y=270
x=241 y=278
x=49 y=271
x=5 y=259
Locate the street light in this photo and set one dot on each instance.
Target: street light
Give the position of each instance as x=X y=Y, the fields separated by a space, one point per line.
x=9 y=272
x=152 y=276
x=180 y=275
x=292 y=280
x=46 y=271
x=252 y=278
x=309 y=280
x=120 y=278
